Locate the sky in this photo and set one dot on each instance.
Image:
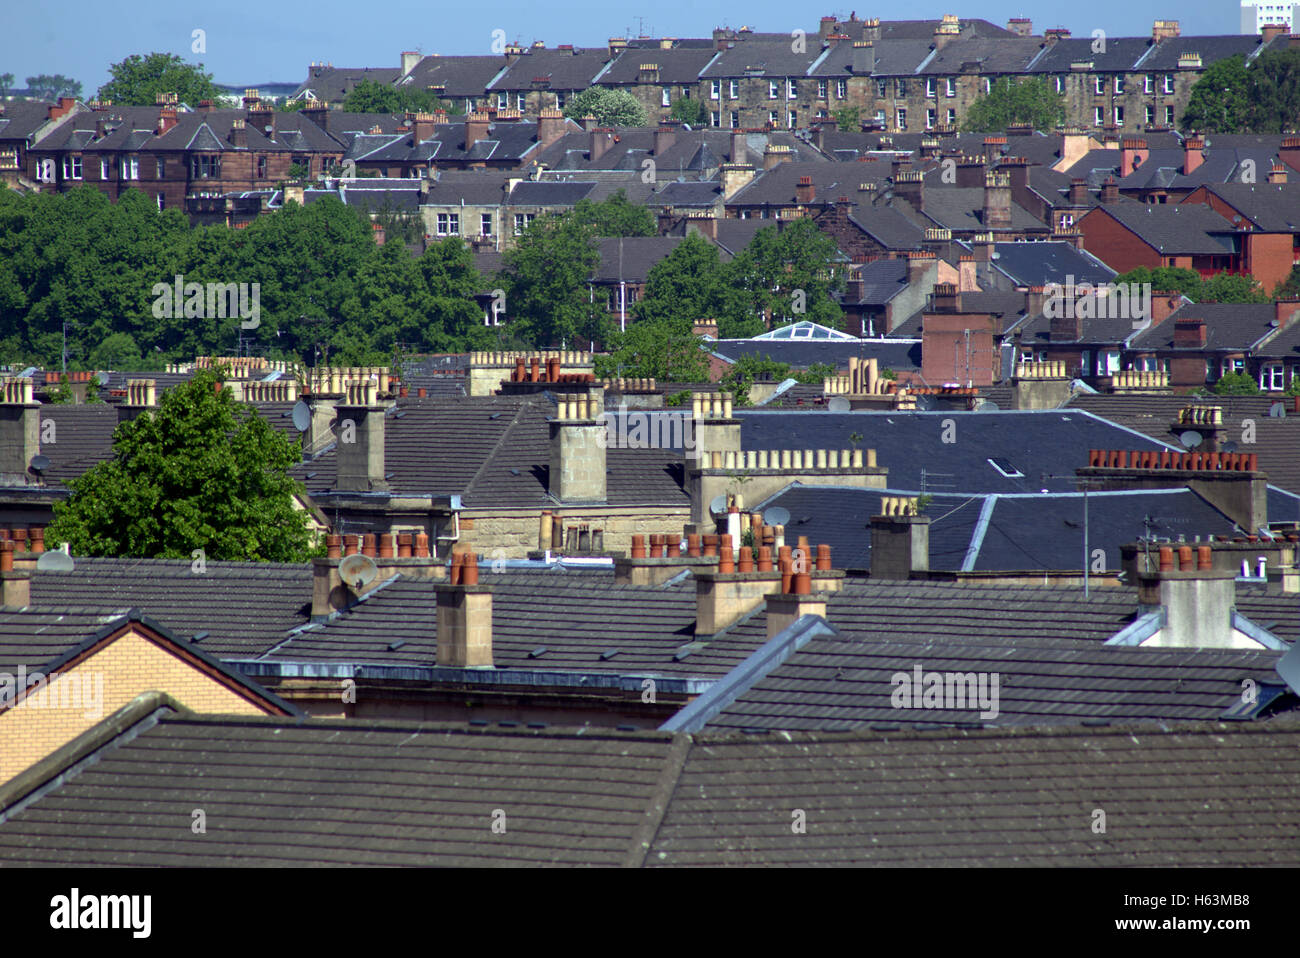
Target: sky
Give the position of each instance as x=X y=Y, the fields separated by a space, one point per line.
x=269 y=41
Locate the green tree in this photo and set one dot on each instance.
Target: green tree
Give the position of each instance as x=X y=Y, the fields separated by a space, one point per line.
x=546 y=283
x=615 y=216
x=788 y=275
x=200 y=472
x=1165 y=279
x=6 y=84
x=1274 y=92
x=609 y=107
x=687 y=110
x=137 y=80
x=746 y=371
x=1232 y=288
x=847 y=119
x=1220 y=99
x=1289 y=288
x=47 y=86
x=117 y=352
x=657 y=350
x=1294 y=388
x=1235 y=384
x=370 y=96
x=689 y=284
x=1016 y=100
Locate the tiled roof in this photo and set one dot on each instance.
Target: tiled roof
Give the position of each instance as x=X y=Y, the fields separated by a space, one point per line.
x=1037 y=264
x=1272 y=207
x=565 y=69
x=679 y=65
x=33 y=637
x=993 y=55
x=631 y=258
x=1235 y=326
x=1171 y=228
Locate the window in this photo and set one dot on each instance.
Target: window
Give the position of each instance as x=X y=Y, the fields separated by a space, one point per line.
x=261 y=167
x=772 y=118
x=521 y=101
x=485 y=224
x=929 y=87
x=559 y=101
x=902 y=87
x=1169 y=83
x=1150 y=115
x=715 y=90
x=988 y=86
x=792 y=120
x=715 y=118
x=1119 y=85
x=1148 y=83
x=1085 y=362
x=1169 y=116
x=773 y=90
x=160 y=168
x=735 y=119
x=1110 y=361
x=522 y=220
x=791 y=89
x=1099 y=85
x=162 y=201
x=880 y=118
x=1067 y=220
x=902 y=118
x=882 y=89
x=1232 y=366
x=950 y=87
x=503 y=101
x=952 y=118
x=104 y=169
x=841 y=89
x=203 y=167
x=664 y=98
x=822 y=87
x=931 y=116
x=1099 y=116
x=448 y=224
x=1119 y=115
x=72 y=167
x=1060 y=84
x=130 y=167
x=1271 y=378
x=733 y=89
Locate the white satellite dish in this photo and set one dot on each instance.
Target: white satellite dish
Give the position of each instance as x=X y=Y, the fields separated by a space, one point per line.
x=358 y=570
x=1191 y=439
x=839 y=404
x=776 y=516
x=301 y=416
x=54 y=561
x=719 y=504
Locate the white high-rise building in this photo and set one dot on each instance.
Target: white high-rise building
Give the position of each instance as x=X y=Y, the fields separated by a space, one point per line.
x=1256 y=14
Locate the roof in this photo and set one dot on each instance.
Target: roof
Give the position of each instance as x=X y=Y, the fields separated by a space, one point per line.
x=571 y=69
x=398 y=793
x=1169 y=228
x=802 y=353
x=631 y=258
x=1232 y=326
x=1272 y=207
x=1037 y=264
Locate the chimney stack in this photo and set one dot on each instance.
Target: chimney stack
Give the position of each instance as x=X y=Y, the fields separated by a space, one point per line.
x=238 y=134
x=141 y=395
x=359 y=462
x=1197 y=602
x=15 y=585
x=900 y=540
x=476 y=128
x=1110 y=191
x=550 y=126
x=804 y=191
x=864 y=58
x=464 y=617
x=1192 y=154
x=20 y=431
x=601 y=139
x=665 y=137
x=578 y=441
x=997 y=201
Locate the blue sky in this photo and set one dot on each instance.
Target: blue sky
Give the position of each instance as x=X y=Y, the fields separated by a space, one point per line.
x=250 y=43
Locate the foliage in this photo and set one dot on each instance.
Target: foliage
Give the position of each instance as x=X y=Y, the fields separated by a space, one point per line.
x=815 y=374
x=1294 y=388
x=691 y=111
x=545 y=279
x=651 y=349
x=61 y=394
x=782 y=270
x=46 y=86
x=198 y=473
x=6 y=83
x=1016 y=100
x=609 y=107
x=370 y=96
x=1274 y=91
x=1235 y=384
x=679 y=399
x=137 y=80
x=1220 y=100
x=747 y=370
x=615 y=216
x=292 y=106
x=1220 y=288
x=847 y=119
x=689 y=284
x=298 y=171
x=887 y=373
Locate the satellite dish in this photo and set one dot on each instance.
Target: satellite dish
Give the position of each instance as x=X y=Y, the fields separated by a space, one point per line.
x=358 y=570
x=54 y=561
x=1191 y=439
x=776 y=516
x=719 y=504
x=924 y=403
x=40 y=463
x=839 y=404
x=1277 y=410
x=102 y=378
x=1228 y=446
x=988 y=405
x=301 y=416
x=27 y=373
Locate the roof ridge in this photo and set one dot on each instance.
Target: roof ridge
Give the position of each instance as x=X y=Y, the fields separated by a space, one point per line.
x=506 y=434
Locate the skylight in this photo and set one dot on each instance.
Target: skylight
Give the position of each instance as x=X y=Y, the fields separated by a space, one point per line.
x=1005 y=467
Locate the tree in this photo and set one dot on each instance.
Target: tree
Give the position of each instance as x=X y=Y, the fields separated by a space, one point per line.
x=198 y=473
x=687 y=110
x=1220 y=99
x=655 y=350
x=45 y=86
x=6 y=83
x=1016 y=100
x=370 y=96
x=847 y=119
x=1232 y=288
x=690 y=284
x=615 y=216
x=1235 y=384
x=137 y=80
x=1274 y=91
x=788 y=275
x=1171 y=279
x=546 y=282
x=609 y=107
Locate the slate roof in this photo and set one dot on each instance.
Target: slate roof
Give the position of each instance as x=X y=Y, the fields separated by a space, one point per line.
x=22 y=119
x=630 y=258
x=245 y=607
x=1037 y=264
x=993 y=55
x=1272 y=207
x=41 y=633
x=1164 y=55
x=845 y=681
x=680 y=65
x=961 y=209
x=1118 y=56
x=333 y=84
x=1171 y=229
x=1000 y=532
x=1228 y=326
x=565 y=69
x=548 y=193
x=774 y=59
x=463 y=76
